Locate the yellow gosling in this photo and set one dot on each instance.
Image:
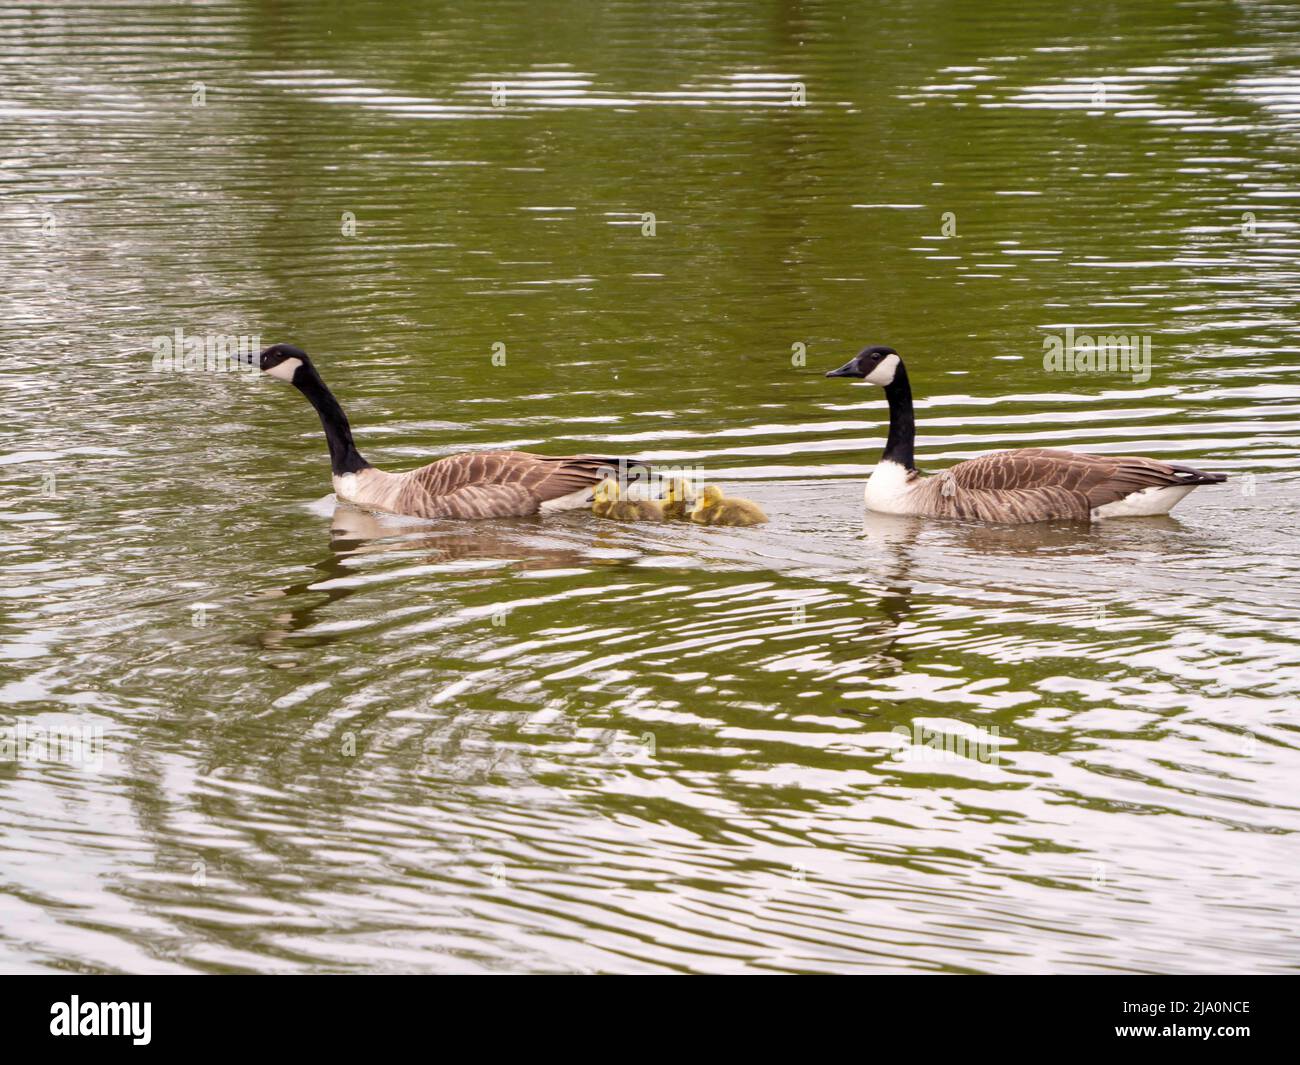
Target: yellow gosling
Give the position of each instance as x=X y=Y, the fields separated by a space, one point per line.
x=603 y=497
x=621 y=509
x=714 y=508
x=678 y=498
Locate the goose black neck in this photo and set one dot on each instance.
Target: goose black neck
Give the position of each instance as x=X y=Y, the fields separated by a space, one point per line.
x=902 y=421
x=344 y=456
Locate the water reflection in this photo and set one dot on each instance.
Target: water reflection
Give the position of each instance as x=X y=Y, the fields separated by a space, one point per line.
x=336 y=742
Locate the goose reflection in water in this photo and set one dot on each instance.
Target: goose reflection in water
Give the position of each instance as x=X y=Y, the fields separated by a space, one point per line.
x=1030 y=541
x=512 y=543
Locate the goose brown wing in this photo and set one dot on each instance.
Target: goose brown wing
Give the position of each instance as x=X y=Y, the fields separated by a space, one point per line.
x=1033 y=467
x=1130 y=473
x=943 y=496
x=1038 y=484
x=498 y=484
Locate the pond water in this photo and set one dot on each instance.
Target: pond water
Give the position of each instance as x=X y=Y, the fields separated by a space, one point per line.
x=329 y=741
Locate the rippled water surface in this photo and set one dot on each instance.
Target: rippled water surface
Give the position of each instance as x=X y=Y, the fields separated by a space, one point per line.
x=332 y=742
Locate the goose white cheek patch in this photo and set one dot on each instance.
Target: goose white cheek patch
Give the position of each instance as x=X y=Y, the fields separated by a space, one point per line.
x=285 y=370
x=884 y=373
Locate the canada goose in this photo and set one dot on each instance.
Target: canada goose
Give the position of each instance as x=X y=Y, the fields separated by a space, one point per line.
x=478 y=484
x=678 y=498
x=618 y=508
x=714 y=508
x=1032 y=484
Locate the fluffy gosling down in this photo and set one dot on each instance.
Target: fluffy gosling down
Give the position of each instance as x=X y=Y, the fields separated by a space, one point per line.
x=714 y=508
x=608 y=502
x=603 y=496
x=678 y=499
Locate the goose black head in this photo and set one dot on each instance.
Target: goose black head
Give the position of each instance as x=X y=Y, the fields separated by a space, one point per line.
x=282 y=361
x=876 y=365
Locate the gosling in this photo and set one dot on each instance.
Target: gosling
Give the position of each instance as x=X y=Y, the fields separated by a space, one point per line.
x=616 y=508
x=714 y=508
x=601 y=499
x=678 y=498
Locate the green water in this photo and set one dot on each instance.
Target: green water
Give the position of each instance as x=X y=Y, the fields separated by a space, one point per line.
x=337 y=743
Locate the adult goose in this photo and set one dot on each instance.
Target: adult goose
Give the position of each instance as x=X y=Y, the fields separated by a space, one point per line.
x=478 y=484
x=1033 y=484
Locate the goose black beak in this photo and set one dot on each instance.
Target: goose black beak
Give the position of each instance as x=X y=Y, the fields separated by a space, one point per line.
x=849 y=369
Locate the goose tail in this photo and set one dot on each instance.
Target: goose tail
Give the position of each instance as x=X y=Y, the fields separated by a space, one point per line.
x=1190 y=475
x=619 y=463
